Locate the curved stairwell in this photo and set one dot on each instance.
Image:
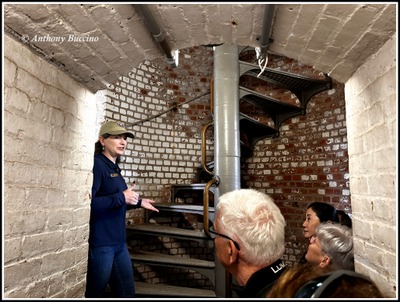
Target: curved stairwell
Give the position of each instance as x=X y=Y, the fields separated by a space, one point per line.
x=151 y=228
x=252 y=131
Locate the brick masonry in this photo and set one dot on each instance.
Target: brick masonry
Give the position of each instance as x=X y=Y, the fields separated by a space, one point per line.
x=48 y=157
x=308 y=162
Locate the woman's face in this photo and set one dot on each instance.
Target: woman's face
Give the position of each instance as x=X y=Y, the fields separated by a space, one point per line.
x=315 y=255
x=310 y=223
x=114 y=145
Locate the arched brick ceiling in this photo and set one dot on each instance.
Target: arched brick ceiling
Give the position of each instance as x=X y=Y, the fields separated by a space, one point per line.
x=335 y=38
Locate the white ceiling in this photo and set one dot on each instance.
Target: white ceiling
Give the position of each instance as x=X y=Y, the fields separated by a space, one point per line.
x=335 y=38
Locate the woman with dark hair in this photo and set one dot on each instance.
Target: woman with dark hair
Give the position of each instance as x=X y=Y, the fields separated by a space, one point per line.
x=109 y=261
x=320 y=212
x=316 y=213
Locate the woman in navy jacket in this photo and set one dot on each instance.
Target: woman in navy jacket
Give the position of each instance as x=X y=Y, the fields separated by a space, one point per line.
x=108 y=260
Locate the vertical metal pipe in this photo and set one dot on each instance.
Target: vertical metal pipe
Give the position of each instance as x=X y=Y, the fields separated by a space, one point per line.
x=269 y=10
x=226 y=132
x=226 y=117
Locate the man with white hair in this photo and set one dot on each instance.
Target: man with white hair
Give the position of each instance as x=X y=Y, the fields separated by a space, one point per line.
x=249 y=232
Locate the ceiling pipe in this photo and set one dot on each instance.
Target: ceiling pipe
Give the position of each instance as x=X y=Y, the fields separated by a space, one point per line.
x=269 y=10
x=157 y=33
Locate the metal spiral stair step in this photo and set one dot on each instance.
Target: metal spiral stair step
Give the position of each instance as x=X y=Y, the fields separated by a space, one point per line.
x=163 y=230
x=268 y=102
x=192 y=187
x=276 y=109
x=204 y=267
x=154 y=258
x=304 y=87
x=181 y=207
x=255 y=130
x=163 y=290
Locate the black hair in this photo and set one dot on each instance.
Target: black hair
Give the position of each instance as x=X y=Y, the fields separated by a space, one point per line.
x=324 y=211
x=344 y=218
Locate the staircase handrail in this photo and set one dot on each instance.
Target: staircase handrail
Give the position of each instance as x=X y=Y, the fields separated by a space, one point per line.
x=214 y=181
x=203 y=148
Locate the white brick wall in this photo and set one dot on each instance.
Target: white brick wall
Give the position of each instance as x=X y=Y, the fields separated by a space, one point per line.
x=372 y=118
x=49 y=135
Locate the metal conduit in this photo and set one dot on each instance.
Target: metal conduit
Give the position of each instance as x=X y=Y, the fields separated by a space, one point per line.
x=157 y=32
x=269 y=11
x=226 y=135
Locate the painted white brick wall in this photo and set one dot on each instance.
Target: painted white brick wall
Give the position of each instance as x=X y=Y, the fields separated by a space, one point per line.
x=371 y=111
x=49 y=137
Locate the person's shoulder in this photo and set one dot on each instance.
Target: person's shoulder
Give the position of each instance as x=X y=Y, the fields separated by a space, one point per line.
x=96 y=157
x=100 y=157
x=99 y=160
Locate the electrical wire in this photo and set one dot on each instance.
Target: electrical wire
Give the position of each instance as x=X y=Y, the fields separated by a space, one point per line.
x=165 y=111
x=261 y=60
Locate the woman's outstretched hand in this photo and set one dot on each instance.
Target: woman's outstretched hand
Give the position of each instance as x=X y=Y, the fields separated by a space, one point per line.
x=148 y=204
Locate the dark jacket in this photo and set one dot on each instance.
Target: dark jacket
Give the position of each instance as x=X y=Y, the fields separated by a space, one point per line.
x=108 y=206
x=260 y=282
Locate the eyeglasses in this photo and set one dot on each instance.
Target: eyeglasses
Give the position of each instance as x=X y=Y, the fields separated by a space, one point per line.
x=321 y=286
x=213 y=232
x=313 y=240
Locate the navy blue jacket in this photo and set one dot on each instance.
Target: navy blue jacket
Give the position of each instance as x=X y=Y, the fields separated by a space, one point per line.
x=108 y=206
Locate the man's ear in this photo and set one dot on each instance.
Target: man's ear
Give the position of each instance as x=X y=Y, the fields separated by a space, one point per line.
x=233 y=252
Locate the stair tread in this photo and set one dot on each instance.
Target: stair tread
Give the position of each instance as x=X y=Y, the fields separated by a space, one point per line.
x=153 y=228
x=285 y=79
x=192 y=186
x=164 y=290
x=182 y=206
x=267 y=102
x=255 y=124
x=179 y=188
x=254 y=129
x=159 y=258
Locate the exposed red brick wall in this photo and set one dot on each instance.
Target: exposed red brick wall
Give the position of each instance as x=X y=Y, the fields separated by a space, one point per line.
x=307 y=162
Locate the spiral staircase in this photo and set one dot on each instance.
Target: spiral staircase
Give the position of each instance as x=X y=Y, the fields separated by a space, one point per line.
x=251 y=130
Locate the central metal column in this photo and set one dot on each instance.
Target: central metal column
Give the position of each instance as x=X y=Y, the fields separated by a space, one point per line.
x=226 y=133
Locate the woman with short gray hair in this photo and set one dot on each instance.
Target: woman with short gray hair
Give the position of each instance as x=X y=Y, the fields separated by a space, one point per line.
x=331 y=247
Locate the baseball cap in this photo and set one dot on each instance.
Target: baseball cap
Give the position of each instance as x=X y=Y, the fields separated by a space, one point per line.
x=114 y=129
